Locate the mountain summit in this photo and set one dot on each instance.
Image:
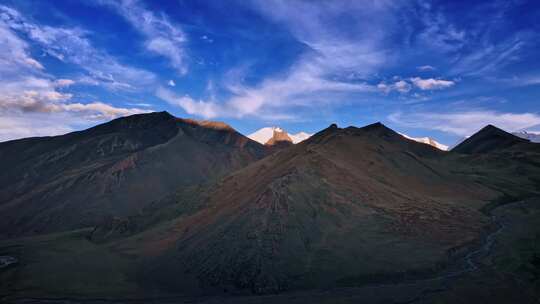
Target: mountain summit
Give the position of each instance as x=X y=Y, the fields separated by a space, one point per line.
x=314 y=215
x=168 y=206
x=488 y=139
x=273 y=135
x=72 y=181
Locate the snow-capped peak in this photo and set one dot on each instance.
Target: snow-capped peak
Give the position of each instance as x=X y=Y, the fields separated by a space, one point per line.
x=300 y=136
x=428 y=141
x=265 y=135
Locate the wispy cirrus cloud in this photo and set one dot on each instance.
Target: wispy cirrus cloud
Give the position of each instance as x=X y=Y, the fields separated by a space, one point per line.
x=518 y=81
x=16 y=56
x=425 y=68
x=31 y=94
x=24 y=85
x=262 y=101
x=17 y=126
x=32 y=101
x=439 y=33
x=470 y=47
x=61 y=120
x=162 y=36
x=465 y=123
x=406 y=85
x=72 y=46
x=489 y=57
x=401 y=86
x=319 y=75
x=206 y=109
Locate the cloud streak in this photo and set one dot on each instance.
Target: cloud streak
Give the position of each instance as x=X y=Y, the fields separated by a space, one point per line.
x=162 y=37
x=70 y=45
x=400 y=86
x=467 y=122
x=319 y=74
x=425 y=68
x=16 y=126
x=32 y=101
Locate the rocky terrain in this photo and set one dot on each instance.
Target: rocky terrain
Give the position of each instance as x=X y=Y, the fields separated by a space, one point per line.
x=72 y=181
x=348 y=214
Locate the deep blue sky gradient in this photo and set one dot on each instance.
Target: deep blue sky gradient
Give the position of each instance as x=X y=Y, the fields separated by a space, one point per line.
x=484 y=58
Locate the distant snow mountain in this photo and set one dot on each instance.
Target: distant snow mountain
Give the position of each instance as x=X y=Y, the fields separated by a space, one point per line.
x=428 y=141
x=299 y=137
x=533 y=136
x=271 y=135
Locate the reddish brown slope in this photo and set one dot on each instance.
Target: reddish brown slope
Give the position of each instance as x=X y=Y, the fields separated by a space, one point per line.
x=71 y=181
x=491 y=139
x=342 y=206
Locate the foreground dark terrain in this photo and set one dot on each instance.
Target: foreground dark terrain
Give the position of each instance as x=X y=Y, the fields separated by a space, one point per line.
x=153 y=208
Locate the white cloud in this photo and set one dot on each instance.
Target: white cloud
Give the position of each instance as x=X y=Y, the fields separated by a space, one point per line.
x=24 y=86
x=489 y=57
x=519 y=81
x=320 y=74
x=263 y=100
x=14 y=127
x=33 y=102
x=171 y=83
x=163 y=37
x=41 y=95
x=207 y=39
x=425 y=68
x=401 y=86
x=200 y=108
x=466 y=123
x=72 y=46
x=439 y=34
x=99 y=110
x=15 y=51
x=64 y=82
x=431 y=83
x=139 y=104
x=472 y=49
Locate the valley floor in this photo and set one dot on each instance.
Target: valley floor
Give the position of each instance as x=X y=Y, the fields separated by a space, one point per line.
x=505 y=269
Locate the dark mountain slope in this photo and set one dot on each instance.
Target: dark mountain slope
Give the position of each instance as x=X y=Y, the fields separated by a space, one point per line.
x=499 y=160
x=489 y=139
x=65 y=182
x=339 y=208
x=347 y=207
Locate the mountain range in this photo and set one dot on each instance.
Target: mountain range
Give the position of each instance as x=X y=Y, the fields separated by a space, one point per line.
x=153 y=205
x=71 y=181
x=272 y=135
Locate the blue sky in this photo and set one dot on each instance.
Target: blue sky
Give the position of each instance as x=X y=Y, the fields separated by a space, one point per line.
x=425 y=68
